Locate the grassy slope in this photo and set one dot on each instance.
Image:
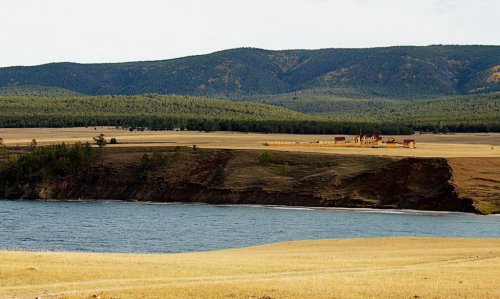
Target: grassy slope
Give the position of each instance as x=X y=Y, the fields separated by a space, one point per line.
x=357 y=268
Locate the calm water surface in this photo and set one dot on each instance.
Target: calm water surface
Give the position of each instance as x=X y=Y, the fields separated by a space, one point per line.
x=162 y=228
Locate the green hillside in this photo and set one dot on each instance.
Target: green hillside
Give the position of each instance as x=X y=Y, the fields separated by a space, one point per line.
x=479 y=112
x=157 y=112
x=401 y=72
x=320 y=101
x=100 y=107
x=472 y=113
x=161 y=112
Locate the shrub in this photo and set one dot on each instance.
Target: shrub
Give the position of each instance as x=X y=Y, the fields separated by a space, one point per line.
x=146 y=162
x=285 y=170
x=158 y=159
x=100 y=140
x=219 y=175
x=265 y=157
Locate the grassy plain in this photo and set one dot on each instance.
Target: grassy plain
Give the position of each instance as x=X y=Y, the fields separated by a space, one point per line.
x=428 y=145
x=344 y=268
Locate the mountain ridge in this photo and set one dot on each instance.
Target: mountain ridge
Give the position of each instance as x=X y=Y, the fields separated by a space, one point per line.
x=401 y=72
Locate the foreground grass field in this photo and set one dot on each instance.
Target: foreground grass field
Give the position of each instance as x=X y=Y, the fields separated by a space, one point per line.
x=352 y=268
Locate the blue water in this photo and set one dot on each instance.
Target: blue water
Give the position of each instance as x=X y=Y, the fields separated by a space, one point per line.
x=163 y=228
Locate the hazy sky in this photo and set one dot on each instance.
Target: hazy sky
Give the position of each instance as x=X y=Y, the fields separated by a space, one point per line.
x=41 y=31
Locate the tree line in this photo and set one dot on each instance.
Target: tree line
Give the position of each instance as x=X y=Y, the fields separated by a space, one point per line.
x=479 y=113
x=62 y=159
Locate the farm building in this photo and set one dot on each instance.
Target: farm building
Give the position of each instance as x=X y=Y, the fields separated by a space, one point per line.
x=339 y=140
x=362 y=140
x=369 y=139
x=409 y=143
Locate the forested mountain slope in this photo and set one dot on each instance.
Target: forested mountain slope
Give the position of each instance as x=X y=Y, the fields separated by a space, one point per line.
x=384 y=72
x=34 y=90
x=166 y=112
x=471 y=113
x=150 y=110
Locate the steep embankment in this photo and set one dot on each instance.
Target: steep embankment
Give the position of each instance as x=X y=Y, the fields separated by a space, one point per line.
x=253 y=177
x=479 y=179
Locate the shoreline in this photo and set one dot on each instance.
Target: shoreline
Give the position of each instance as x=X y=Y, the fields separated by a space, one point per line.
x=263 y=206
x=271 y=244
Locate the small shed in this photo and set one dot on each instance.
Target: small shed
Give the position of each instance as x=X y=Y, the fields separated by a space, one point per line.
x=339 y=140
x=409 y=143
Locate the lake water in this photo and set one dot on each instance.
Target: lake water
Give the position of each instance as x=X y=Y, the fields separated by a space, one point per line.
x=163 y=228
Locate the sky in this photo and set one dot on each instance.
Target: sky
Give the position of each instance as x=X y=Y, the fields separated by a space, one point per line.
x=90 y=31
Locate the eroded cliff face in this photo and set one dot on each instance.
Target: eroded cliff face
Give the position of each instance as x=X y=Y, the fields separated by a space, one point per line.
x=238 y=177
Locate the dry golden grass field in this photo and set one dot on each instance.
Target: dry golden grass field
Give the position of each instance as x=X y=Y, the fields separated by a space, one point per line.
x=343 y=268
x=428 y=145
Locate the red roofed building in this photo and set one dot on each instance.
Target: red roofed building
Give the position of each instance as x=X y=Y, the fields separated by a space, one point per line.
x=339 y=140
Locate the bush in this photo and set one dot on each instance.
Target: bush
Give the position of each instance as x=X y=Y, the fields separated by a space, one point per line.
x=146 y=162
x=220 y=175
x=285 y=170
x=61 y=159
x=265 y=157
x=158 y=159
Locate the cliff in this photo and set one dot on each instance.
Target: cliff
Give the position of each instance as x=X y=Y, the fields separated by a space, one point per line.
x=277 y=178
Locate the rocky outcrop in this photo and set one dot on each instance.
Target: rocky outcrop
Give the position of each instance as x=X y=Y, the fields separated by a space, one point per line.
x=237 y=177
